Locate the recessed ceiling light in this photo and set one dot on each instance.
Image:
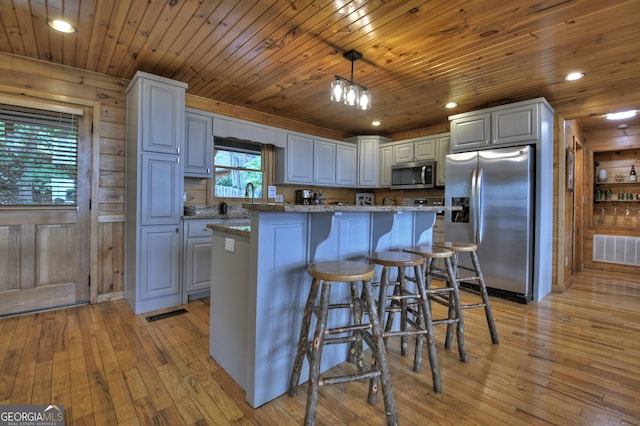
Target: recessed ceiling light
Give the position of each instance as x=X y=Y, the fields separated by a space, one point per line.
x=622 y=115
x=574 y=76
x=451 y=105
x=375 y=123
x=62 y=26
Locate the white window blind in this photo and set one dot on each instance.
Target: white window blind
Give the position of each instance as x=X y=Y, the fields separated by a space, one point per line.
x=38 y=156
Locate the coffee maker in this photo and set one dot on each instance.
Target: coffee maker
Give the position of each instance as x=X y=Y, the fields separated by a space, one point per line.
x=304 y=196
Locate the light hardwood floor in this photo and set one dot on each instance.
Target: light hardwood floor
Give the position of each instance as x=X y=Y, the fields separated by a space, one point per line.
x=573 y=358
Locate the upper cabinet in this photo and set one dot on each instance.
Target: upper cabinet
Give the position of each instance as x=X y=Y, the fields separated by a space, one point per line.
x=198 y=155
x=161 y=125
x=417 y=149
x=368 y=164
x=385 y=160
x=294 y=164
x=506 y=125
x=322 y=162
x=443 y=148
x=346 y=162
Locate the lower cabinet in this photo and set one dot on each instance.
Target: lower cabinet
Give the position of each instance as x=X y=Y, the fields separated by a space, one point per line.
x=196 y=263
x=196 y=257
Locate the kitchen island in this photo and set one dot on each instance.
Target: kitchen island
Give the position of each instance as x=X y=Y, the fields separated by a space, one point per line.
x=259 y=281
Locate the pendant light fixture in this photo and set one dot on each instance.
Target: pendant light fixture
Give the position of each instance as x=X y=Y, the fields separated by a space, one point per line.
x=348 y=91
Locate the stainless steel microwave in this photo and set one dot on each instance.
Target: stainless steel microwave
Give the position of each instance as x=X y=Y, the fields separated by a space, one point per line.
x=413 y=175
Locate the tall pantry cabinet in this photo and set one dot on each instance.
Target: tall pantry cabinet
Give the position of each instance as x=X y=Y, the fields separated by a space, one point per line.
x=155 y=137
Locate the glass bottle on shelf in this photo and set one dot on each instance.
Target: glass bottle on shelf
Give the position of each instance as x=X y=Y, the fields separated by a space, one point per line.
x=632 y=174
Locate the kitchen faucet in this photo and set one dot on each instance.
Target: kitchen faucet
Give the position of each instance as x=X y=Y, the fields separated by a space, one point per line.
x=246 y=191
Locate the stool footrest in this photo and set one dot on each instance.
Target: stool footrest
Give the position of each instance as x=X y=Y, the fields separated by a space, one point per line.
x=336 y=380
x=348 y=328
x=474 y=305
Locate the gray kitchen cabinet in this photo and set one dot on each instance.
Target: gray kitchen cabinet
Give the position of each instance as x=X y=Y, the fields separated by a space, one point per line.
x=294 y=164
x=417 y=149
x=154 y=186
x=160 y=189
x=324 y=162
x=346 y=164
x=443 y=148
x=309 y=161
x=425 y=149
x=368 y=163
x=198 y=151
x=471 y=131
x=386 y=160
x=506 y=125
x=403 y=152
x=196 y=254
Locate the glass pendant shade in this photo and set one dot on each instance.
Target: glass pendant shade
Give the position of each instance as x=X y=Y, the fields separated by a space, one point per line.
x=337 y=90
x=352 y=95
x=364 y=103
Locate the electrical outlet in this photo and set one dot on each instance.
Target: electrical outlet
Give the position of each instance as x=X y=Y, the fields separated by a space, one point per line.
x=230 y=245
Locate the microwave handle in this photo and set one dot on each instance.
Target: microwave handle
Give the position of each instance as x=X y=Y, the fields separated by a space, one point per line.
x=423 y=175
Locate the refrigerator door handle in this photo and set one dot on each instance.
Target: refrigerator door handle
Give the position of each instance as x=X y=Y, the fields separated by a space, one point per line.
x=473 y=206
x=479 y=207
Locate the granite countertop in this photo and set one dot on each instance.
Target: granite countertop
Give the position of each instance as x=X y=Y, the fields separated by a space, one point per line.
x=242 y=215
x=322 y=208
x=241 y=229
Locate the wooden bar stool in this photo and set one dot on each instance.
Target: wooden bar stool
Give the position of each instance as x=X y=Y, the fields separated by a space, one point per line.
x=413 y=307
x=448 y=296
x=324 y=275
x=472 y=249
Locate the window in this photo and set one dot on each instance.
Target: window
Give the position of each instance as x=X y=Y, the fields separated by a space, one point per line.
x=38 y=157
x=237 y=163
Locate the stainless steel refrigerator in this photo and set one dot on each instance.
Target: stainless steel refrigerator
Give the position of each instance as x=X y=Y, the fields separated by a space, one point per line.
x=495 y=189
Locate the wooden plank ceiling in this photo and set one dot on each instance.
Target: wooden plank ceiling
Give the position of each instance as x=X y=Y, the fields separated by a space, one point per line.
x=279 y=56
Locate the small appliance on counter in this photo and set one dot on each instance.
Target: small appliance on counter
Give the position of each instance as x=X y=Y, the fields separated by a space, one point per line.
x=304 y=196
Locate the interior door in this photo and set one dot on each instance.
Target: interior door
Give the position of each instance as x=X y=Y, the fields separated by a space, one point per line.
x=44 y=251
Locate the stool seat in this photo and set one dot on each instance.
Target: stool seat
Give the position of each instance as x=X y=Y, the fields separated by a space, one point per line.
x=457 y=246
x=343 y=271
x=395 y=258
x=432 y=250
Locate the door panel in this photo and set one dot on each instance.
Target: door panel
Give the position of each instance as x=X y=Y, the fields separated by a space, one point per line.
x=44 y=251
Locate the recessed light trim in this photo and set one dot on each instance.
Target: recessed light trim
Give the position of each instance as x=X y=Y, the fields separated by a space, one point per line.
x=572 y=76
x=450 y=105
x=622 y=114
x=376 y=123
x=62 y=26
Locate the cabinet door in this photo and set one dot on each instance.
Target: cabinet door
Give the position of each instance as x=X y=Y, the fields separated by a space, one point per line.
x=198 y=153
x=471 y=132
x=386 y=153
x=160 y=265
x=324 y=167
x=346 y=159
x=162 y=117
x=299 y=160
x=403 y=153
x=444 y=148
x=425 y=149
x=160 y=190
x=197 y=265
x=368 y=167
x=515 y=125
